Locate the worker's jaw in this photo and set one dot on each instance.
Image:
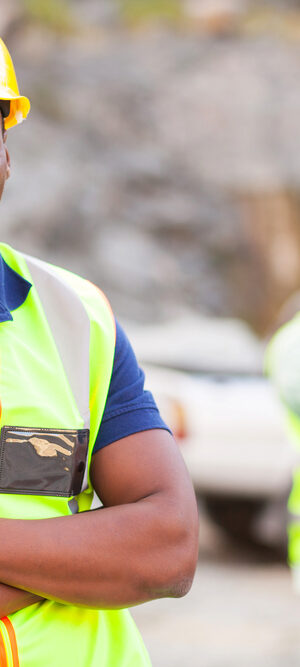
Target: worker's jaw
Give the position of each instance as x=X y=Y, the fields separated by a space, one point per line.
x=4 y=163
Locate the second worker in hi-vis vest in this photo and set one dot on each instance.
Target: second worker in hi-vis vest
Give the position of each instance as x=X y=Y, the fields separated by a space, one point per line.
x=68 y=574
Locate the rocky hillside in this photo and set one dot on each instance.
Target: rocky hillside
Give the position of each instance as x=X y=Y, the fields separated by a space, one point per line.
x=161 y=160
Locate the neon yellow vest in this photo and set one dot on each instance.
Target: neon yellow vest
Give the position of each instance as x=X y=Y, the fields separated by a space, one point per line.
x=279 y=359
x=56 y=359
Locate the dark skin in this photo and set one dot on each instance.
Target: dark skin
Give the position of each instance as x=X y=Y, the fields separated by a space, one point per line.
x=141 y=545
x=4 y=160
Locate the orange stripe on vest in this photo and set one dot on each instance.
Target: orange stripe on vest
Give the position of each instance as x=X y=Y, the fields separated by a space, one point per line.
x=3 y=656
x=12 y=639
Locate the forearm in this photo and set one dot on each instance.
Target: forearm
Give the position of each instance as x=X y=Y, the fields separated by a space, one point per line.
x=13 y=599
x=115 y=557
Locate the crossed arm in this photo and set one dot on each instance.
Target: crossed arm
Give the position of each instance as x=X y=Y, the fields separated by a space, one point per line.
x=142 y=545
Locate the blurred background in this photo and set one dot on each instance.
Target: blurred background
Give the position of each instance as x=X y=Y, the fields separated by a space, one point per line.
x=161 y=160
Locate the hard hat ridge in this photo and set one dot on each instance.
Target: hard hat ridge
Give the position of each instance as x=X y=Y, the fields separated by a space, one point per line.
x=9 y=90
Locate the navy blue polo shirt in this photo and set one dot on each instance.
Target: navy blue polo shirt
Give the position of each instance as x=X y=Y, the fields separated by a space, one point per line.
x=129 y=408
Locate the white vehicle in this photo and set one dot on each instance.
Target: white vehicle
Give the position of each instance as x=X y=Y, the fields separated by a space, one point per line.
x=226 y=418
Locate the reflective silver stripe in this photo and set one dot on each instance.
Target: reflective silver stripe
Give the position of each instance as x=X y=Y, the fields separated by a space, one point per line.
x=73 y=505
x=65 y=312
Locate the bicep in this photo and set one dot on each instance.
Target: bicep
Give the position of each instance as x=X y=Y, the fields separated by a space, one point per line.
x=141 y=465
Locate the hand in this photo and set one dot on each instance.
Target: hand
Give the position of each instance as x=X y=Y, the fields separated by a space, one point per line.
x=13 y=599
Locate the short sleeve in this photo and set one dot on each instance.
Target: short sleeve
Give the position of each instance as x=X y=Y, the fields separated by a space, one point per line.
x=129 y=407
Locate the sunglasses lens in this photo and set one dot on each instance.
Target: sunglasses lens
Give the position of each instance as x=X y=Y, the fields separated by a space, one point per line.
x=4 y=108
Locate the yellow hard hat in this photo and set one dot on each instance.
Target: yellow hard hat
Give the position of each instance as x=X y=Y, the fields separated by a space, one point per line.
x=9 y=91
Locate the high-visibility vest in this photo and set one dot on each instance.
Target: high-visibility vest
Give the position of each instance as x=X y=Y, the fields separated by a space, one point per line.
x=56 y=359
x=282 y=364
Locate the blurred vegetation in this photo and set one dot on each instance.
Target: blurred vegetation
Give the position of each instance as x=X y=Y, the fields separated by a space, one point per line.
x=284 y=23
x=257 y=18
x=137 y=12
x=55 y=14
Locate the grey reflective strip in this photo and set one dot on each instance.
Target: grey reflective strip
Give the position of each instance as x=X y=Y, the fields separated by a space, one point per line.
x=65 y=312
x=73 y=505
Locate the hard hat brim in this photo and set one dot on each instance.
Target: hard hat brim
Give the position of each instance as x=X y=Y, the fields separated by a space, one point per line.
x=19 y=107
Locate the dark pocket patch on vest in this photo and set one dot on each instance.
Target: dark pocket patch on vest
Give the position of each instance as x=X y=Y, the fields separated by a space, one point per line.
x=42 y=461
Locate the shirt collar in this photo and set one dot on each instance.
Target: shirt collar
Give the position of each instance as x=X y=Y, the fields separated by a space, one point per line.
x=13 y=290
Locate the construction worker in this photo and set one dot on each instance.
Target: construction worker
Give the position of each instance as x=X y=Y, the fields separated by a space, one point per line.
x=75 y=418
x=283 y=366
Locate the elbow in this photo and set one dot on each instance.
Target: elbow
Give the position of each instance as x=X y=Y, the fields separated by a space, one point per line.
x=183 y=572
x=180 y=586
x=183 y=582
x=175 y=563
x=181 y=562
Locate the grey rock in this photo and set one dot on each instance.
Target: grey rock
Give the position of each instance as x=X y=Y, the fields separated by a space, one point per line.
x=132 y=165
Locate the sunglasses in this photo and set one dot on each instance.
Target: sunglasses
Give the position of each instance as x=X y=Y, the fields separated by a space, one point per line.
x=4 y=108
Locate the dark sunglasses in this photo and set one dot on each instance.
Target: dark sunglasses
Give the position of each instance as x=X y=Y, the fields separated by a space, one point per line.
x=4 y=108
